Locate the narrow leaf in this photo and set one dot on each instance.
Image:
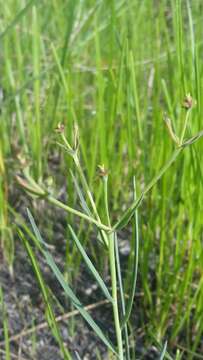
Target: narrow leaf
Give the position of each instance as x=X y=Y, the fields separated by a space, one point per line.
x=35 y=228
x=76 y=302
x=80 y=195
x=193 y=139
x=163 y=351
x=77 y=355
x=91 y=266
x=51 y=317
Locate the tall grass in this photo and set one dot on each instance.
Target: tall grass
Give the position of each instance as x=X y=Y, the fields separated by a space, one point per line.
x=115 y=67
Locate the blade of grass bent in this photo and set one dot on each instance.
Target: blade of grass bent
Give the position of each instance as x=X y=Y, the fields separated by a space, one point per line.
x=90 y=265
x=68 y=291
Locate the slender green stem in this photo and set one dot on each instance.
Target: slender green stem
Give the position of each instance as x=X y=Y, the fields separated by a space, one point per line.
x=112 y=261
x=82 y=176
x=135 y=266
x=122 y=296
x=89 y=194
x=66 y=142
x=76 y=212
x=85 y=185
x=105 y=180
x=185 y=126
x=125 y=218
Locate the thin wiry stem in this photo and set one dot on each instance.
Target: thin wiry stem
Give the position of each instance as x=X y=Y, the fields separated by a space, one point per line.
x=67 y=208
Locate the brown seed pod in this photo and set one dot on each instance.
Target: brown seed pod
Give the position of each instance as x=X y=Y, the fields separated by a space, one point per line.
x=102 y=171
x=60 y=128
x=188 y=102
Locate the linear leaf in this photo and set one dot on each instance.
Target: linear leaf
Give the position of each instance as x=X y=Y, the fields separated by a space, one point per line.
x=68 y=291
x=193 y=139
x=76 y=301
x=35 y=228
x=80 y=195
x=163 y=351
x=77 y=355
x=51 y=317
x=90 y=265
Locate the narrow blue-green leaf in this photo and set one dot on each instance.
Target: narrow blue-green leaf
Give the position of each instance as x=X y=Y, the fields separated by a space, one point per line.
x=77 y=355
x=80 y=195
x=35 y=228
x=50 y=313
x=18 y=17
x=76 y=302
x=90 y=265
x=163 y=353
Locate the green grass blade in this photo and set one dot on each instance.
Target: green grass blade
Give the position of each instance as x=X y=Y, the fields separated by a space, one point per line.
x=37 y=131
x=122 y=296
x=135 y=268
x=164 y=350
x=51 y=317
x=70 y=24
x=179 y=39
x=5 y=326
x=18 y=17
x=90 y=265
x=68 y=291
